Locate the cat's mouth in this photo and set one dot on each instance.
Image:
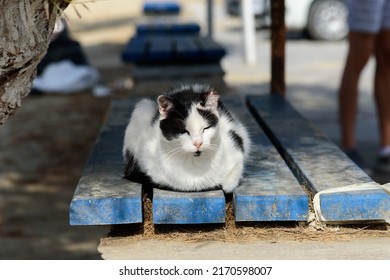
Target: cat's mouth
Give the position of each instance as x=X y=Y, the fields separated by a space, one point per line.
x=197 y=153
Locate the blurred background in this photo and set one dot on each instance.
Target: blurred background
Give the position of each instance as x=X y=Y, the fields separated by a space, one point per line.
x=45 y=146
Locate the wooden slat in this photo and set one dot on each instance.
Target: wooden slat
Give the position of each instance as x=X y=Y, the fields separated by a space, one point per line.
x=158 y=72
x=161 y=8
x=148 y=29
x=160 y=49
x=185 y=29
x=170 y=207
x=319 y=164
x=102 y=196
x=135 y=50
x=186 y=49
x=172 y=49
x=268 y=191
x=365 y=202
x=210 y=50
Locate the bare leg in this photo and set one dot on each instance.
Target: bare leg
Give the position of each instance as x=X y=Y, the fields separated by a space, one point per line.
x=382 y=85
x=361 y=46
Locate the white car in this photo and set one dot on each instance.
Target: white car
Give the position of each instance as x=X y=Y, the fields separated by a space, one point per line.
x=322 y=19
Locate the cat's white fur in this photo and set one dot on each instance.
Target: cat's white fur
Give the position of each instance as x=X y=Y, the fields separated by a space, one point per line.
x=172 y=163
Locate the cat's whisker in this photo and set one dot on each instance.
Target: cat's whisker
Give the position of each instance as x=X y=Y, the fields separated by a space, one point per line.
x=175 y=151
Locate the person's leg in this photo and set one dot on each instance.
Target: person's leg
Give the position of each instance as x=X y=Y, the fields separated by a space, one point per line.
x=382 y=86
x=361 y=46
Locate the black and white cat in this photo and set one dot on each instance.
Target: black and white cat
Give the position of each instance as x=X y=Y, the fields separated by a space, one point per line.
x=186 y=141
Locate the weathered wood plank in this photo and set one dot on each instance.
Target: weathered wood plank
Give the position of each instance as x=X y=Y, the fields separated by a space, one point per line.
x=318 y=163
x=135 y=50
x=160 y=49
x=160 y=72
x=167 y=29
x=102 y=196
x=268 y=191
x=186 y=49
x=369 y=200
x=170 y=207
x=172 y=49
x=210 y=49
x=161 y=8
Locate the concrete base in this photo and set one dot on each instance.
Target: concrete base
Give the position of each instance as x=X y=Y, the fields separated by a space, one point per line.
x=151 y=249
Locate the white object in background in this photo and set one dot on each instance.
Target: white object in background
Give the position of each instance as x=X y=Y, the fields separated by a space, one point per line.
x=66 y=77
x=249 y=32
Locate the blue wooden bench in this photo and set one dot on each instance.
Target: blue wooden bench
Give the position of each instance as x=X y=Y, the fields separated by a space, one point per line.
x=172 y=49
x=294 y=170
x=186 y=28
x=161 y=8
x=339 y=189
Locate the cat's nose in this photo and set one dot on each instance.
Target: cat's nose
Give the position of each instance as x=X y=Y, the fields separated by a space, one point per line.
x=197 y=144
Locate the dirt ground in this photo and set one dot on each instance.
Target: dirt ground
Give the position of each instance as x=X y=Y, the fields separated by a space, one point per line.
x=43 y=152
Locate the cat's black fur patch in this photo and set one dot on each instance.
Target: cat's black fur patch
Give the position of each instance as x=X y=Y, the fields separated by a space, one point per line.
x=132 y=171
x=172 y=127
x=238 y=142
x=225 y=111
x=168 y=188
x=174 y=123
x=211 y=118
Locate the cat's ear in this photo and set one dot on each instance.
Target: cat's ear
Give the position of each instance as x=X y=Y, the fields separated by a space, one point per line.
x=211 y=102
x=164 y=105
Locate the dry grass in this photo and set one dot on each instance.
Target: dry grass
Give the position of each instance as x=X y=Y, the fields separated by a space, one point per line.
x=248 y=231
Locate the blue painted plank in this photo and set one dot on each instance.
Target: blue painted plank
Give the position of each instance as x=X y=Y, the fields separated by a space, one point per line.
x=147 y=29
x=165 y=7
x=135 y=50
x=372 y=203
x=172 y=49
x=120 y=110
x=186 y=49
x=102 y=196
x=160 y=49
x=210 y=49
x=170 y=207
x=268 y=191
x=318 y=163
x=185 y=29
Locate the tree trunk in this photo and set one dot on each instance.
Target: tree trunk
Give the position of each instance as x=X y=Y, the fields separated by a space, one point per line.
x=25 y=29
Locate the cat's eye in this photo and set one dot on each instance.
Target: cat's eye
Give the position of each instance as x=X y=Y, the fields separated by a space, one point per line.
x=206 y=128
x=186 y=131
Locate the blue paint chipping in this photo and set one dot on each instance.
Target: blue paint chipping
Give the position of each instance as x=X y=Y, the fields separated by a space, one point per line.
x=135 y=50
x=106 y=211
x=356 y=206
x=171 y=207
x=268 y=191
x=160 y=49
x=309 y=153
x=270 y=208
x=103 y=197
x=148 y=29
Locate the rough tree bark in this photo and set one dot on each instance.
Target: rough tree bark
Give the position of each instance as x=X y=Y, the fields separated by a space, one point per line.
x=25 y=29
